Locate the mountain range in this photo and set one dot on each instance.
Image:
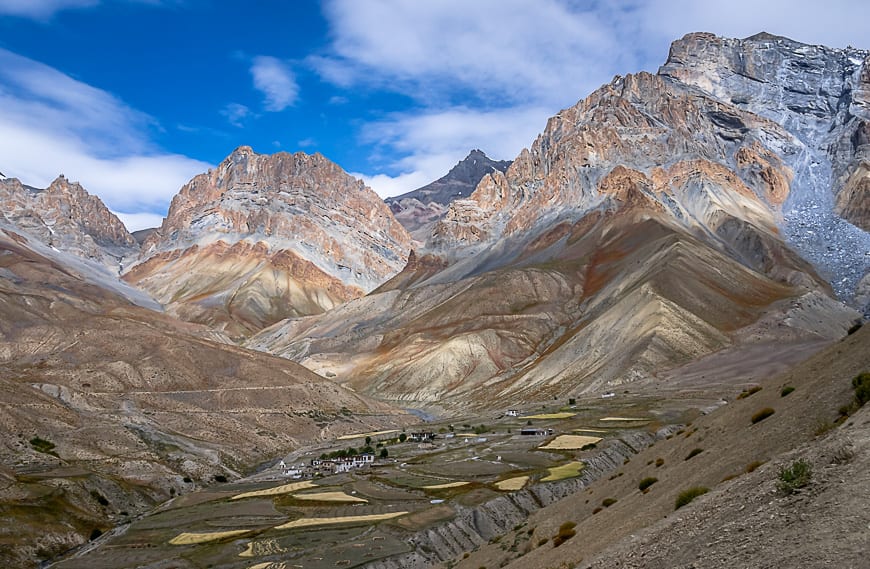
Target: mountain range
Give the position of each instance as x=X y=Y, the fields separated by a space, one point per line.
x=718 y=206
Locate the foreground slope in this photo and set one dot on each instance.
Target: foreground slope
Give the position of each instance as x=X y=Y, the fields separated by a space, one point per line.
x=640 y=231
x=744 y=520
x=266 y=237
x=109 y=409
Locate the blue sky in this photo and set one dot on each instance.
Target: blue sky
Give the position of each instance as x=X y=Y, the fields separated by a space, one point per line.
x=134 y=97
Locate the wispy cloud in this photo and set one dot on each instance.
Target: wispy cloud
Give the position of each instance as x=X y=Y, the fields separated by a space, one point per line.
x=41 y=9
x=51 y=123
x=276 y=81
x=235 y=113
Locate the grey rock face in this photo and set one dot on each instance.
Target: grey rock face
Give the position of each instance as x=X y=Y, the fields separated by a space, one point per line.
x=819 y=95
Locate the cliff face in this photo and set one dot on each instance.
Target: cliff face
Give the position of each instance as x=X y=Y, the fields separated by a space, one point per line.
x=66 y=217
x=821 y=96
x=265 y=237
x=654 y=222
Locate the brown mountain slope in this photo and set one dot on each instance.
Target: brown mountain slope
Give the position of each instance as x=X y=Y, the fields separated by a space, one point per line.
x=743 y=521
x=109 y=409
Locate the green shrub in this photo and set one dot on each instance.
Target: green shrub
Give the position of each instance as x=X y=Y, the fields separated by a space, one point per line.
x=751 y=391
x=607 y=502
x=588 y=446
x=694 y=452
x=796 y=476
x=646 y=483
x=43 y=446
x=762 y=414
x=566 y=532
x=687 y=496
x=403 y=437
x=786 y=390
x=861 y=384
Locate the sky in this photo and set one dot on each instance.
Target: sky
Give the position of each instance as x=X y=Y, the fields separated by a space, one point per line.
x=132 y=98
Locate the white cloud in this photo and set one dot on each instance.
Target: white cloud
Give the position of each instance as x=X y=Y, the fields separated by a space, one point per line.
x=276 y=81
x=137 y=221
x=52 y=124
x=235 y=113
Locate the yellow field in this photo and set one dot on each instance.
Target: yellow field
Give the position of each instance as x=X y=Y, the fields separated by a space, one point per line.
x=569 y=470
x=624 y=419
x=512 y=483
x=589 y=431
x=308 y=522
x=562 y=415
x=570 y=442
x=447 y=485
x=330 y=497
x=277 y=490
x=364 y=435
x=194 y=538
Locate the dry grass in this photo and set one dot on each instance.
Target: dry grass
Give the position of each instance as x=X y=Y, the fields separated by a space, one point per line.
x=446 y=485
x=569 y=470
x=309 y=522
x=364 y=435
x=512 y=484
x=571 y=442
x=563 y=415
x=583 y=430
x=277 y=490
x=187 y=538
x=330 y=497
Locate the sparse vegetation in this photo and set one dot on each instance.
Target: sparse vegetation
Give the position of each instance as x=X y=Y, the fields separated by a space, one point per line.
x=686 y=496
x=795 y=476
x=43 y=446
x=645 y=483
x=786 y=390
x=750 y=391
x=566 y=532
x=762 y=414
x=402 y=437
x=861 y=385
x=659 y=462
x=694 y=452
x=607 y=502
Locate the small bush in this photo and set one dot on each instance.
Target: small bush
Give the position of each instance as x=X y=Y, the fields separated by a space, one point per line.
x=646 y=483
x=861 y=384
x=762 y=414
x=752 y=466
x=43 y=446
x=786 y=390
x=566 y=532
x=794 y=477
x=659 y=462
x=730 y=477
x=751 y=391
x=403 y=437
x=543 y=541
x=220 y=478
x=97 y=532
x=588 y=446
x=187 y=480
x=596 y=510
x=607 y=502
x=687 y=496
x=694 y=452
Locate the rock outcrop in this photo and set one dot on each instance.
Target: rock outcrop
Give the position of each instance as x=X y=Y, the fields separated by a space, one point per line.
x=266 y=237
x=66 y=217
x=419 y=209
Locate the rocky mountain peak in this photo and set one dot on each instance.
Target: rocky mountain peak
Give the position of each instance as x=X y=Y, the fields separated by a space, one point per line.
x=66 y=217
x=419 y=209
x=282 y=223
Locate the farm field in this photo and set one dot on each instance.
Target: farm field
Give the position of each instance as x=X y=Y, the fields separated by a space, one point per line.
x=366 y=514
